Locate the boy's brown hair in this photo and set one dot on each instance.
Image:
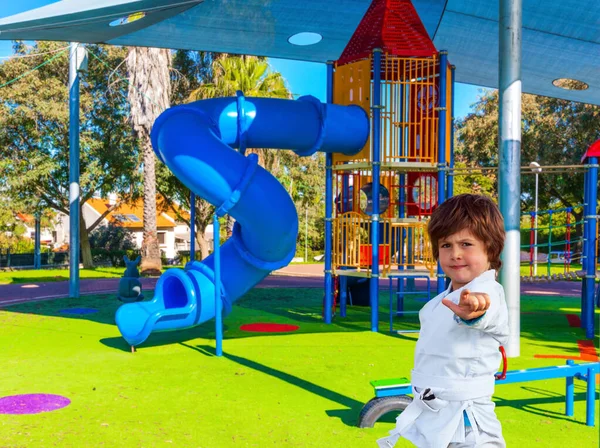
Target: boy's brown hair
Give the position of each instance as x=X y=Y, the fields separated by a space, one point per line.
x=475 y=213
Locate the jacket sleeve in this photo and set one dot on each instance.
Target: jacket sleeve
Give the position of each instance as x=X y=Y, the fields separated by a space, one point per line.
x=495 y=320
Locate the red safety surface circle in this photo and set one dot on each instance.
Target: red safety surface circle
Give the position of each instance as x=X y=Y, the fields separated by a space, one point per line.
x=261 y=327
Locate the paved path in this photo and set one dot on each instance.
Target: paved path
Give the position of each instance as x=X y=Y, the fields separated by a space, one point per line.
x=293 y=276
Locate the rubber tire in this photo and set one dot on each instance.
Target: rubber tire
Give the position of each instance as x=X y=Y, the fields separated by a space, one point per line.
x=379 y=406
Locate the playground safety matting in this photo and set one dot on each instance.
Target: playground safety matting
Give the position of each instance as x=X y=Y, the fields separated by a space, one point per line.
x=70 y=380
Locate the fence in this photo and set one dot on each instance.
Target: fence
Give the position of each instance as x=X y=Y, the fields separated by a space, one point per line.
x=8 y=260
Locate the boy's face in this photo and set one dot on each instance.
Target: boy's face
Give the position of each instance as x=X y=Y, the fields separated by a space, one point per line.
x=463 y=257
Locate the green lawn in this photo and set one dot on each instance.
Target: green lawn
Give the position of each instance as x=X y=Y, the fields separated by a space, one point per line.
x=58 y=275
x=302 y=389
x=542 y=269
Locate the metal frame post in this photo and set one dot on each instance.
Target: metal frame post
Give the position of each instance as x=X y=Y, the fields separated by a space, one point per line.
x=590 y=395
x=570 y=393
x=586 y=232
x=509 y=82
x=218 y=301
x=376 y=157
x=193 y=226
x=441 y=192
x=450 y=188
x=590 y=274
x=328 y=211
x=74 y=207
x=37 y=256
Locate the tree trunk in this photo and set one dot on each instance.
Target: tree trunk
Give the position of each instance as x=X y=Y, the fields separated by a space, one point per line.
x=204 y=247
x=151 y=264
x=149 y=91
x=229 y=222
x=86 y=250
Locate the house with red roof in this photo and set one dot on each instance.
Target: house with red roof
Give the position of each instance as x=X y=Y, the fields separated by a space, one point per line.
x=173 y=233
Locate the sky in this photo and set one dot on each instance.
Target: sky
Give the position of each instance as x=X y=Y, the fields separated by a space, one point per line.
x=303 y=78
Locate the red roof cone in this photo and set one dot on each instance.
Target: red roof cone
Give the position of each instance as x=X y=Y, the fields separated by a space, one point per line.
x=392 y=25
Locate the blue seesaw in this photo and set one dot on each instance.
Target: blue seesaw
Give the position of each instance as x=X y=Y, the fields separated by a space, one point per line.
x=392 y=395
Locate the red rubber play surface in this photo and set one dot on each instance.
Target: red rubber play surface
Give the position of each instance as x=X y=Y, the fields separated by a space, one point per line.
x=261 y=327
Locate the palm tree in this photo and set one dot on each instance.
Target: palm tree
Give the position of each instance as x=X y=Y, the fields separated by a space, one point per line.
x=251 y=75
x=149 y=92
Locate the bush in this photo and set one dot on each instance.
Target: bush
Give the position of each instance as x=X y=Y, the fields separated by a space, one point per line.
x=114 y=257
x=16 y=244
x=111 y=238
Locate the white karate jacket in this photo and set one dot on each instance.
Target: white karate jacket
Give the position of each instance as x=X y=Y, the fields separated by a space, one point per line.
x=456 y=362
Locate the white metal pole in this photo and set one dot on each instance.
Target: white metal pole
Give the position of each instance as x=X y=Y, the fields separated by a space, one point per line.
x=509 y=182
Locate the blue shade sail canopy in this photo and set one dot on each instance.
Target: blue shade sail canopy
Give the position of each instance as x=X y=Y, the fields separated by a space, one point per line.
x=560 y=39
x=257 y=27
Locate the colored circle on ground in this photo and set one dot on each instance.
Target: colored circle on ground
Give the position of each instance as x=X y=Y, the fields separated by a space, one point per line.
x=79 y=311
x=262 y=327
x=32 y=403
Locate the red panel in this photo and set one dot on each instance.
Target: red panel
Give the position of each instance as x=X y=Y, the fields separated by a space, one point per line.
x=574 y=320
x=366 y=254
x=392 y=25
x=421 y=194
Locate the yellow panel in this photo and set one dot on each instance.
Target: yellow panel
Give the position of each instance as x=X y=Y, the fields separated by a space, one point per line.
x=352 y=85
x=412 y=247
x=409 y=115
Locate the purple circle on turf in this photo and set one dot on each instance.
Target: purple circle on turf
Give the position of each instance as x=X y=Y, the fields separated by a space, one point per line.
x=79 y=311
x=32 y=403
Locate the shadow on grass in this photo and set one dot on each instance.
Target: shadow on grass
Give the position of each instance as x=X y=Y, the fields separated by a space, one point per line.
x=296 y=306
x=160 y=338
x=532 y=405
x=348 y=416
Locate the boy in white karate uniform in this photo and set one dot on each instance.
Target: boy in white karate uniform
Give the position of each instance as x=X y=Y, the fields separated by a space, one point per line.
x=457 y=353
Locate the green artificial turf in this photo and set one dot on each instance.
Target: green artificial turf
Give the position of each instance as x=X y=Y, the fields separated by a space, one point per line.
x=302 y=389
x=56 y=275
x=61 y=275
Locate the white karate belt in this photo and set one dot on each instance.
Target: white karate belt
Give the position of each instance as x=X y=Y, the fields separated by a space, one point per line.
x=435 y=394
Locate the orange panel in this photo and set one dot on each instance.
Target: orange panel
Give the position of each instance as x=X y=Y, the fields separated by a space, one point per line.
x=352 y=85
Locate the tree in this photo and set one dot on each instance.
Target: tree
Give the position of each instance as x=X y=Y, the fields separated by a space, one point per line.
x=34 y=131
x=554 y=132
x=252 y=76
x=200 y=75
x=304 y=178
x=149 y=93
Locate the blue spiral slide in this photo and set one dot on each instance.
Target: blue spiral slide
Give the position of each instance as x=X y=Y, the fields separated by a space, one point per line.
x=196 y=142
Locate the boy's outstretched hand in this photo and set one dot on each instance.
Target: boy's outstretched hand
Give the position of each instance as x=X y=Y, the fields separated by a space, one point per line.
x=470 y=306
